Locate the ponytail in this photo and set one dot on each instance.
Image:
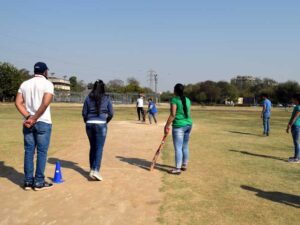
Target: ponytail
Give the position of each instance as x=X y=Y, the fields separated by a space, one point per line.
x=178 y=89
x=97 y=94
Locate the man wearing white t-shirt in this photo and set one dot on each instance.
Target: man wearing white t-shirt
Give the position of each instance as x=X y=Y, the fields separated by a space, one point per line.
x=140 y=107
x=33 y=99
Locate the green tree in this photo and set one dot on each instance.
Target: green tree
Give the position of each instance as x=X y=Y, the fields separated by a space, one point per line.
x=166 y=96
x=75 y=85
x=228 y=92
x=285 y=91
x=115 y=85
x=133 y=85
x=10 y=80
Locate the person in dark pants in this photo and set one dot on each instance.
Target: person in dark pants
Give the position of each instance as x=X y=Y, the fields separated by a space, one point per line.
x=97 y=112
x=140 y=108
x=152 y=111
x=33 y=99
x=265 y=114
x=294 y=126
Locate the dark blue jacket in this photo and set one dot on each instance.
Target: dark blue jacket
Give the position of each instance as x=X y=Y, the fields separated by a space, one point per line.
x=105 y=112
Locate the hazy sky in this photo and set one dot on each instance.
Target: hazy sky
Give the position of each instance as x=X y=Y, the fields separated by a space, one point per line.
x=183 y=41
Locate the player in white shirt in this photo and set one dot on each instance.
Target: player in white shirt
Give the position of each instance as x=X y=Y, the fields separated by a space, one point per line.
x=140 y=107
x=33 y=99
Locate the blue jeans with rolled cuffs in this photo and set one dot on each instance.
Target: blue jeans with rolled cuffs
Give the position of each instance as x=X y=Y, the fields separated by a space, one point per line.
x=295 y=135
x=97 y=135
x=36 y=137
x=181 y=136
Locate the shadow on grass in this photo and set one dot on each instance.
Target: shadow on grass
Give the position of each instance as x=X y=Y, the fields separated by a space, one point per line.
x=11 y=174
x=283 y=198
x=259 y=155
x=144 y=164
x=244 y=133
x=70 y=165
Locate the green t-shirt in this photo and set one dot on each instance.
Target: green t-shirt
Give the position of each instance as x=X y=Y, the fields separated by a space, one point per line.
x=296 y=109
x=180 y=119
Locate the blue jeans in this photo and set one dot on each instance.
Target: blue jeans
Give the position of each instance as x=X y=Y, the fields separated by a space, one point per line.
x=266 y=124
x=295 y=135
x=36 y=137
x=97 y=135
x=181 y=138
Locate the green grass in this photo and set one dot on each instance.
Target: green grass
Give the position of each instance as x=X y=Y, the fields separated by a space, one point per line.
x=235 y=176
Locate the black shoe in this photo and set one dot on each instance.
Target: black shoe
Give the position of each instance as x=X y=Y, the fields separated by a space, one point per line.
x=28 y=186
x=44 y=186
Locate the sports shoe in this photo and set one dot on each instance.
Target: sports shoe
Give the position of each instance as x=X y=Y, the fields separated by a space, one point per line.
x=291 y=159
x=175 y=171
x=294 y=160
x=97 y=176
x=184 y=167
x=44 y=186
x=28 y=186
x=91 y=174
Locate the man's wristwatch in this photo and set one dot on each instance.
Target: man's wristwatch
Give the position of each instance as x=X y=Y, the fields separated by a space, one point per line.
x=27 y=117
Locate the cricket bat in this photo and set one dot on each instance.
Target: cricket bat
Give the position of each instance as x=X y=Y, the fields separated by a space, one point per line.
x=158 y=151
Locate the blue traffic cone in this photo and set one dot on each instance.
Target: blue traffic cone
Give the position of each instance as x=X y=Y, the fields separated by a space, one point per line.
x=57 y=174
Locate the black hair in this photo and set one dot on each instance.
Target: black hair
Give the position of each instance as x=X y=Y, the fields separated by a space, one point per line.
x=149 y=99
x=264 y=95
x=97 y=94
x=178 y=90
x=296 y=96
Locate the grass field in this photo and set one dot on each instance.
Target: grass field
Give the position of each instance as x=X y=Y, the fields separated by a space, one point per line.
x=235 y=176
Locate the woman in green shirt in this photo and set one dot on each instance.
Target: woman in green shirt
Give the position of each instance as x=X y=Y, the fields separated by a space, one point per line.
x=180 y=118
x=294 y=125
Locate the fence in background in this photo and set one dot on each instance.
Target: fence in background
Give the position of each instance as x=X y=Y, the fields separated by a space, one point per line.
x=117 y=98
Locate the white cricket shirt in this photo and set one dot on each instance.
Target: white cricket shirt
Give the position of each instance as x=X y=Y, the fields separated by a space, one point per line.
x=33 y=91
x=140 y=102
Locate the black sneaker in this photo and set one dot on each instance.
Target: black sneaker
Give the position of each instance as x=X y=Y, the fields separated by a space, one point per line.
x=44 y=186
x=291 y=159
x=28 y=186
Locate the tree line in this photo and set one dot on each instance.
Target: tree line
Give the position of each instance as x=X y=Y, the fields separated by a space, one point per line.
x=211 y=92
x=205 y=92
x=11 y=78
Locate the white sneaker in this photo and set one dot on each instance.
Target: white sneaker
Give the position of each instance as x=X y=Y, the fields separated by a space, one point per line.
x=97 y=176
x=91 y=174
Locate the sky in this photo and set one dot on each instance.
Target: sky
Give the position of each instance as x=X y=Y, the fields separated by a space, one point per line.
x=183 y=41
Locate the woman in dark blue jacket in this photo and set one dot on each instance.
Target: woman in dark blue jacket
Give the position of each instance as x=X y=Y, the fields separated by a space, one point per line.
x=97 y=112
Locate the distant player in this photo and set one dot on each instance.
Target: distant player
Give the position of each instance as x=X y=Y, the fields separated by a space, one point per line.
x=140 y=107
x=265 y=114
x=152 y=111
x=294 y=125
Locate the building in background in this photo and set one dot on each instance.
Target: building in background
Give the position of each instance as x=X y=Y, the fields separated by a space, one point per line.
x=60 y=85
x=244 y=81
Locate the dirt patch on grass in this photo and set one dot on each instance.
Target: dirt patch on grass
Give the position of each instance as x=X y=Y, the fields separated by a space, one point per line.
x=129 y=193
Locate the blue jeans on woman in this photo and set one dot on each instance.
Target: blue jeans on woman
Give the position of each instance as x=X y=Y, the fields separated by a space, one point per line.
x=295 y=135
x=37 y=137
x=97 y=135
x=181 y=138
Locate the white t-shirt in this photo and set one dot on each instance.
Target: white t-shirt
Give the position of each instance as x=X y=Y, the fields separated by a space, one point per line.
x=33 y=91
x=140 y=102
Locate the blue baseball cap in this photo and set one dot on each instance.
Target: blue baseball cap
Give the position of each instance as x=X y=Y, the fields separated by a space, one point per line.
x=40 y=68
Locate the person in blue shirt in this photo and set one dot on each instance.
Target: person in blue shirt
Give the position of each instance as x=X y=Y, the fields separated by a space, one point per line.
x=97 y=112
x=294 y=126
x=152 y=111
x=265 y=114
